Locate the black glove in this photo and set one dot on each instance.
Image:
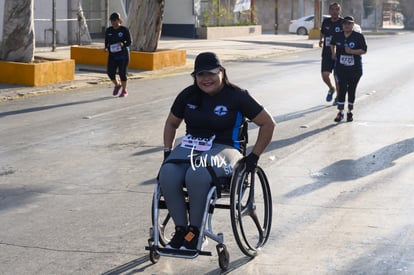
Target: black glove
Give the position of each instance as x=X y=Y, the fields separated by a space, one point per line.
x=251 y=162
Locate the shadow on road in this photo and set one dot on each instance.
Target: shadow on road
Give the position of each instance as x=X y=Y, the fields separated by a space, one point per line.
x=277 y=144
x=395 y=246
x=151 y=150
x=232 y=266
x=293 y=115
x=139 y=265
x=13 y=197
x=43 y=108
x=348 y=169
x=130 y=265
x=300 y=114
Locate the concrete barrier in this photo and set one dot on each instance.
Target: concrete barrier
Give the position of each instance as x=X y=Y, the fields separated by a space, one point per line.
x=38 y=73
x=138 y=60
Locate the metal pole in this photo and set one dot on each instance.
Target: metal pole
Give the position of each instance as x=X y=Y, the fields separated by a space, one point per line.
x=54 y=26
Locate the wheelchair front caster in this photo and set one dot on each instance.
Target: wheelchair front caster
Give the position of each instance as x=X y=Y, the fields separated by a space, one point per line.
x=153 y=255
x=223 y=256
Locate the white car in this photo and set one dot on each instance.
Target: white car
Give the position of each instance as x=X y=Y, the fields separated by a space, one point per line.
x=303 y=25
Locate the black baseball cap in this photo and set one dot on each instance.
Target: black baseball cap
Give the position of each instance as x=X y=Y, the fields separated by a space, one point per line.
x=206 y=62
x=114 y=16
x=348 y=19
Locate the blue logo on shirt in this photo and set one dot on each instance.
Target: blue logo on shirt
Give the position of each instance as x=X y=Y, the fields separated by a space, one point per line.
x=221 y=110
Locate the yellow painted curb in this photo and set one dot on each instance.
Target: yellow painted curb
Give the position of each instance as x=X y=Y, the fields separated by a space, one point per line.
x=314 y=33
x=37 y=73
x=138 y=60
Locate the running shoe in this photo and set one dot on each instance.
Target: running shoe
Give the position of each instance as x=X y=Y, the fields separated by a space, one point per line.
x=330 y=94
x=349 y=117
x=116 y=90
x=339 y=117
x=123 y=93
x=178 y=238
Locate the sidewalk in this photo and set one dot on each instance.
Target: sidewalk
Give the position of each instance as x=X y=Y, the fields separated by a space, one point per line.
x=231 y=49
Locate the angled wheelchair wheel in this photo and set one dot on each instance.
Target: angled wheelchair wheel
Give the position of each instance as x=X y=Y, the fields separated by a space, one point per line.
x=165 y=224
x=250 y=209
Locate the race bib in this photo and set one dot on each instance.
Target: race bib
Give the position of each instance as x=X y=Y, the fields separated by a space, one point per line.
x=114 y=48
x=328 y=41
x=347 y=60
x=199 y=144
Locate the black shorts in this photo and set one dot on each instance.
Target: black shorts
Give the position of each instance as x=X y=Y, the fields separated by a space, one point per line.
x=327 y=64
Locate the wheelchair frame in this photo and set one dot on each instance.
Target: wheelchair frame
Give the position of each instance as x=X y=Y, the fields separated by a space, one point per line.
x=242 y=187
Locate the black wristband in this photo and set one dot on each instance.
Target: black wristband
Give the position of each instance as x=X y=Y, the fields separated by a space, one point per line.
x=251 y=162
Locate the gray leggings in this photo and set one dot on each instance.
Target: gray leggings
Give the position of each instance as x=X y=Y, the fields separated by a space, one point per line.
x=197 y=179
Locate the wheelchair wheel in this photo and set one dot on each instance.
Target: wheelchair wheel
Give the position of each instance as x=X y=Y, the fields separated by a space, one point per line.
x=250 y=209
x=165 y=226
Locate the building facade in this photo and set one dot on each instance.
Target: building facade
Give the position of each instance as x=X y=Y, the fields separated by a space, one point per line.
x=182 y=17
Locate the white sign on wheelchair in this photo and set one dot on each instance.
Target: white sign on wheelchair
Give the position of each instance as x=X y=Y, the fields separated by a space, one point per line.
x=197 y=143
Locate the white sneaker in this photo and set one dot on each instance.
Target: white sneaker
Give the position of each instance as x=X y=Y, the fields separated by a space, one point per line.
x=205 y=243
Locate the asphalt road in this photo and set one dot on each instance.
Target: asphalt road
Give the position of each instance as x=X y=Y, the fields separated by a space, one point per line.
x=77 y=173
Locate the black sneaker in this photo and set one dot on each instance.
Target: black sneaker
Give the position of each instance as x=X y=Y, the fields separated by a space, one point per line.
x=178 y=238
x=349 y=117
x=339 y=117
x=191 y=238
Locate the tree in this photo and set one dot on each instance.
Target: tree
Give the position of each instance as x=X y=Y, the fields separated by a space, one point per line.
x=18 y=41
x=145 y=23
x=407 y=9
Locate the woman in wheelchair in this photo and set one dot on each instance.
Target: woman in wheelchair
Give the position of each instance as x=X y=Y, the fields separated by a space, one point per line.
x=215 y=112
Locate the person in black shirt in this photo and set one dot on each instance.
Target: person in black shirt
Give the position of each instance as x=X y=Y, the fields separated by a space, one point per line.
x=347 y=48
x=330 y=26
x=117 y=42
x=215 y=112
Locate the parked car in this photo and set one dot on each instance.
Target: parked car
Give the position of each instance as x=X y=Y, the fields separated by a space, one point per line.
x=303 y=25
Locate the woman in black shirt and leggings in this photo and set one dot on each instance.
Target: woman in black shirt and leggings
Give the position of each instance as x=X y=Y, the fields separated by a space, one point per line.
x=117 y=42
x=347 y=48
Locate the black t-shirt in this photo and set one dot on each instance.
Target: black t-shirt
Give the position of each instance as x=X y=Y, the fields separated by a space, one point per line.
x=349 y=62
x=114 y=36
x=222 y=115
x=329 y=29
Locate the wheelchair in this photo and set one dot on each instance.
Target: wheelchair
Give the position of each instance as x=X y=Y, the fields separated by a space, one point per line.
x=246 y=195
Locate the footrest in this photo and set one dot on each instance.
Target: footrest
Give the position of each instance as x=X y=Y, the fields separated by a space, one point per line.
x=178 y=252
